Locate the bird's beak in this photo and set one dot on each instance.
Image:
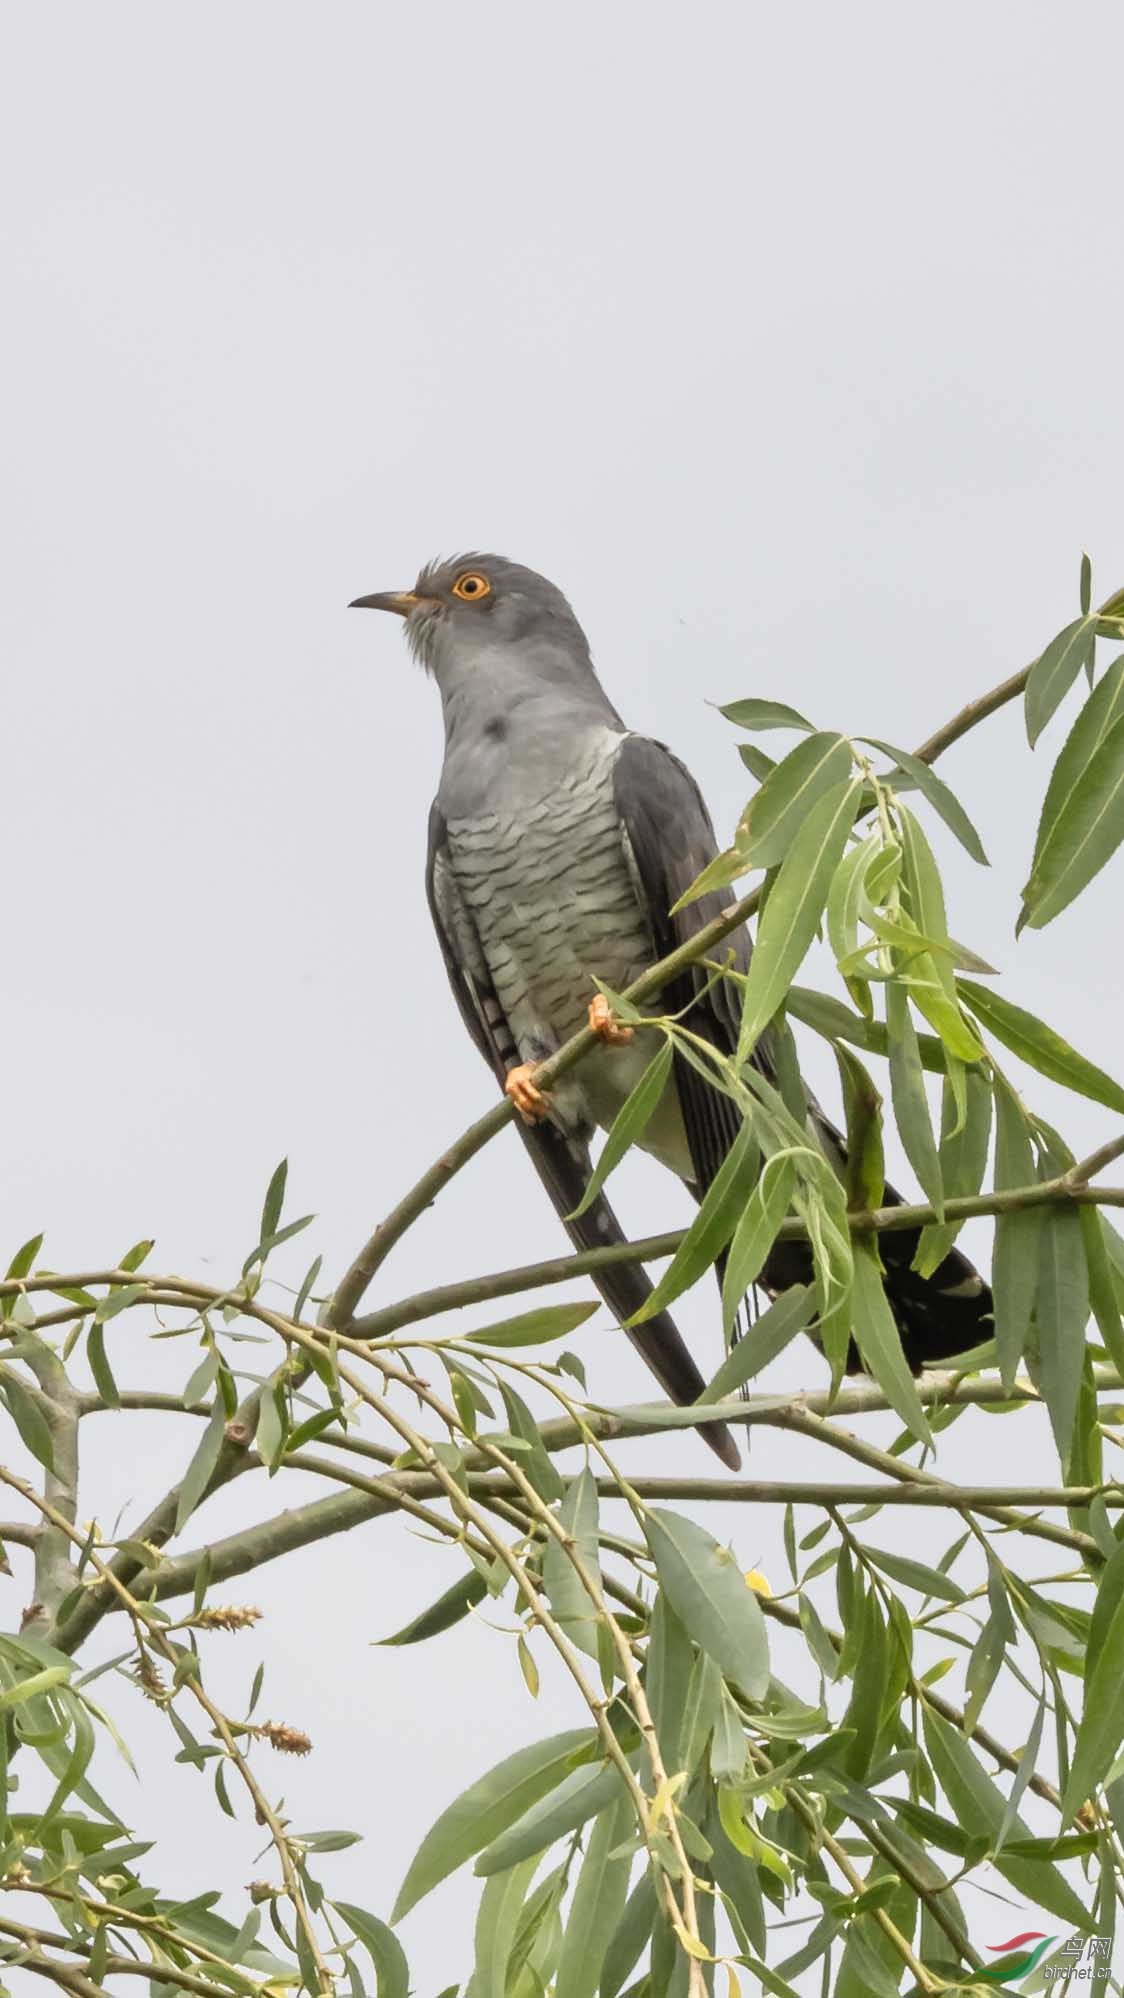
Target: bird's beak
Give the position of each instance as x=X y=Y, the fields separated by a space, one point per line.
x=400 y=601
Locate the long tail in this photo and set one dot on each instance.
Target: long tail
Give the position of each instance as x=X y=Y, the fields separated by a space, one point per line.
x=563 y=1166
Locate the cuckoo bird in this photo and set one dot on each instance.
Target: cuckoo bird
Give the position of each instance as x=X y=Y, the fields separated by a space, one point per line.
x=559 y=843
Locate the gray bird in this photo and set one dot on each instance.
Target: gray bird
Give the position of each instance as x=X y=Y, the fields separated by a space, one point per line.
x=558 y=843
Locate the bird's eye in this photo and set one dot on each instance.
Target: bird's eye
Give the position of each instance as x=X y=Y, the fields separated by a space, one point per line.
x=471 y=585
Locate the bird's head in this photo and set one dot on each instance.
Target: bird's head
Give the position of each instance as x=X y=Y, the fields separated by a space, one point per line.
x=470 y=609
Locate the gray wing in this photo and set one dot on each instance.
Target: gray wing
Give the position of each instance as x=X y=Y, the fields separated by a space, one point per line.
x=561 y=1160
x=669 y=840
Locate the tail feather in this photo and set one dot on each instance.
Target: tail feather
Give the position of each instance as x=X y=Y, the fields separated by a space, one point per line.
x=562 y=1163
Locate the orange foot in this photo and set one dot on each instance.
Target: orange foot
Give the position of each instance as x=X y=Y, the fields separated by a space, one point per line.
x=604 y=1023
x=528 y=1098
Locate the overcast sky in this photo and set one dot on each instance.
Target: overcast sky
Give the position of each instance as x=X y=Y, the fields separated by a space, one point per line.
x=786 y=341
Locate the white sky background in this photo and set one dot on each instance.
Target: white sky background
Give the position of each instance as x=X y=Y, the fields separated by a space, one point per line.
x=787 y=342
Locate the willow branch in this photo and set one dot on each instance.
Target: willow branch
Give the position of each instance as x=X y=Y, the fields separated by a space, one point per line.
x=1069 y=1188
x=856 y=1398
x=72 y=1978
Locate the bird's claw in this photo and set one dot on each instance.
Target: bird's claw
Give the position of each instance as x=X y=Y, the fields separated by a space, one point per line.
x=604 y=1023
x=530 y=1101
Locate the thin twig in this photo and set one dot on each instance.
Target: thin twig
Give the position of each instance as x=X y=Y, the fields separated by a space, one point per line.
x=153 y=1633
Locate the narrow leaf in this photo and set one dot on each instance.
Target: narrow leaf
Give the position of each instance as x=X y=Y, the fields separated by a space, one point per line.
x=775 y=814
x=573 y=1607
x=198 y=1474
x=487 y=1807
x=768 y=1336
x=630 y=1121
x=763 y=715
x=708 y=1592
x=794 y=907
x=756 y=1232
x=535 y=1328
x=879 y=1344
x=598 y=1904
x=392 y=1972
x=1040 y=1047
x=1055 y=671
x=1014 y=1257
x=907 y=1091
x=1061 y=1311
x=448 y=1609
x=711 y=1228
x=943 y=801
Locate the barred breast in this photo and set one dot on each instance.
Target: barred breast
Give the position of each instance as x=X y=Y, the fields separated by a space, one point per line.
x=553 y=901
x=550 y=893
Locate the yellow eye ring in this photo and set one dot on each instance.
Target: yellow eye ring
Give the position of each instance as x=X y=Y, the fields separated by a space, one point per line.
x=472 y=586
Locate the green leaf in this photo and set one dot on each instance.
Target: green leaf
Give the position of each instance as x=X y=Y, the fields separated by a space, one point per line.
x=1084 y=834
x=274 y=1201
x=629 y=1937
x=577 y=1798
x=980 y=1806
x=930 y=976
x=101 y=1369
x=631 y=1119
x=1061 y=1311
x=1028 y=1759
x=963 y=1151
x=1099 y=716
x=711 y=1228
x=909 y=1097
x=1102 y=1722
x=573 y=1607
x=305 y=1291
x=269 y=1437
x=24 y=1257
x=709 y=1594
x=848 y=904
x=756 y=762
x=766 y=1337
x=535 y=1328
x=598 y=1904
x=1054 y=673
x=865 y=1173
x=497 y=1920
x=915 y=1575
x=1015 y=1254
x=667 y=1677
x=943 y=801
x=756 y=1232
x=1040 y=1047
x=449 y=1608
x=488 y=1807
x=795 y=904
x=198 y=1474
x=30 y=1422
x=907 y=1092
x=836 y=1022
x=880 y=1347
x=139 y=1253
x=119 y=1299
x=763 y=715
x=725 y=868
x=1102 y=1293
x=775 y=814
x=535 y=1463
